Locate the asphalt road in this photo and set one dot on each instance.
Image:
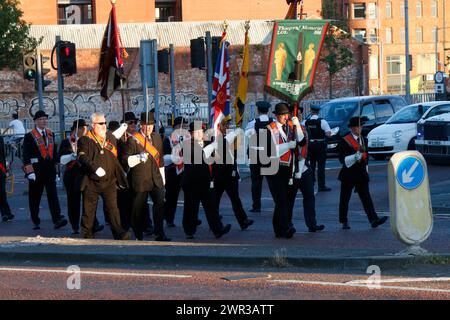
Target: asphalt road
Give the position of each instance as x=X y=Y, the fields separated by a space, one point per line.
x=53 y=282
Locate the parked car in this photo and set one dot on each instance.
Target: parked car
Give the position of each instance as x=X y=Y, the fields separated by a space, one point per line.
x=377 y=109
x=433 y=137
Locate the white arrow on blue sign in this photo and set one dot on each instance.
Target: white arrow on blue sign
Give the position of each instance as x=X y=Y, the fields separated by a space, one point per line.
x=410 y=173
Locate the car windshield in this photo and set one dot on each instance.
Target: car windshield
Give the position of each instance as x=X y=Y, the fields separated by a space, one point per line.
x=336 y=111
x=408 y=114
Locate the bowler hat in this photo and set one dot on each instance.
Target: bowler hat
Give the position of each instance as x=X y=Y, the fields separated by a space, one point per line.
x=148 y=118
x=281 y=108
x=179 y=120
x=356 y=121
x=40 y=114
x=80 y=122
x=113 y=125
x=129 y=116
x=263 y=106
x=196 y=125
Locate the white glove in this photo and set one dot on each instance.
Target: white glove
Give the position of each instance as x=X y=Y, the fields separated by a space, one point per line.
x=295 y=122
x=31 y=176
x=167 y=160
x=134 y=160
x=209 y=149
x=350 y=160
x=100 y=172
x=120 y=131
x=67 y=158
x=232 y=135
x=285 y=147
x=163 y=175
x=292 y=144
x=358 y=156
x=143 y=157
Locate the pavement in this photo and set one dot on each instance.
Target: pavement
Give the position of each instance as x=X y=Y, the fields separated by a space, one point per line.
x=333 y=248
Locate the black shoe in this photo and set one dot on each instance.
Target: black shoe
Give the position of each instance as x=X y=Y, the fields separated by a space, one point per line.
x=60 y=223
x=289 y=233
x=224 y=230
x=247 y=223
x=162 y=238
x=189 y=236
x=345 y=226
x=4 y=219
x=379 y=221
x=255 y=210
x=125 y=236
x=36 y=227
x=74 y=232
x=324 y=189
x=199 y=222
x=170 y=224
x=317 y=228
x=149 y=231
x=98 y=228
x=7 y=217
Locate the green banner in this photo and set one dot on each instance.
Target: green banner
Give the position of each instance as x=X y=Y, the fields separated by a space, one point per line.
x=294 y=55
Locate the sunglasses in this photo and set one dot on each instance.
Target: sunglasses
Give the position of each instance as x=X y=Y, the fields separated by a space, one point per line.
x=101 y=123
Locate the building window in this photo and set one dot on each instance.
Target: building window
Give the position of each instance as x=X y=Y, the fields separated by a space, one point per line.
x=373 y=36
x=388 y=10
x=388 y=35
x=395 y=68
x=75 y=12
x=402 y=9
x=393 y=64
x=372 y=10
x=419 y=9
x=434 y=34
x=434 y=8
x=360 y=34
x=346 y=11
x=419 y=35
x=167 y=10
x=359 y=11
x=402 y=35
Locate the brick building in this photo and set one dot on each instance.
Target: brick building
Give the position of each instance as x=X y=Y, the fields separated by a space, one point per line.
x=50 y=12
x=381 y=24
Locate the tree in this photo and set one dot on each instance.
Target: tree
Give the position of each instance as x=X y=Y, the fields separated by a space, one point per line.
x=14 y=35
x=335 y=53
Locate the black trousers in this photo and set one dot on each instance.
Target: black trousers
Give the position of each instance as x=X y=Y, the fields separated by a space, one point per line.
x=278 y=186
x=362 y=188
x=4 y=206
x=35 y=190
x=173 y=188
x=230 y=185
x=138 y=212
x=306 y=185
x=124 y=200
x=193 y=196
x=317 y=152
x=257 y=181
x=90 y=200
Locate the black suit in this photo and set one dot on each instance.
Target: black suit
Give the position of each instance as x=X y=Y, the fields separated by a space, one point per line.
x=145 y=179
x=91 y=157
x=45 y=171
x=4 y=206
x=355 y=177
x=197 y=187
x=226 y=179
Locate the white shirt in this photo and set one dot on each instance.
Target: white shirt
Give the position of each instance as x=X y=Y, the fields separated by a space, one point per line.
x=323 y=123
x=18 y=128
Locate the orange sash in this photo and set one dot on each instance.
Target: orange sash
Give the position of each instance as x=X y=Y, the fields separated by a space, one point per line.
x=355 y=145
x=108 y=145
x=304 y=149
x=286 y=157
x=148 y=147
x=46 y=152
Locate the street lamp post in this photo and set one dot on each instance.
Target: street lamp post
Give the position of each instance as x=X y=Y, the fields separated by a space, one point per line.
x=407 y=80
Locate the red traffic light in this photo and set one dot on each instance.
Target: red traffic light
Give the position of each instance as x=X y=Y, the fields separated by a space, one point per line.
x=67 y=51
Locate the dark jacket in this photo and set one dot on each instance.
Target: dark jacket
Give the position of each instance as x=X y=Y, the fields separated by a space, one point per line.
x=223 y=167
x=145 y=176
x=357 y=172
x=2 y=158
x=43 y=168
x=91 y=158
x=72 y=170
x=196 y=175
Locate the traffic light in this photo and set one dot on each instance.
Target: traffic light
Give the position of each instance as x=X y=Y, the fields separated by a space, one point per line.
x=163 y=61
x=68 y=58
x=29 y=66
x=44 y=71
x=198 y=53
x=215 y=48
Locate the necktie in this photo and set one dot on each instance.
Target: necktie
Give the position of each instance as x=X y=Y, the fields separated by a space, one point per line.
x=44 y=135
x=285 y=129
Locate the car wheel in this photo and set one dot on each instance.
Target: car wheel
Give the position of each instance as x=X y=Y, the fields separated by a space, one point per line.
x=412 y=144
x=379 y=156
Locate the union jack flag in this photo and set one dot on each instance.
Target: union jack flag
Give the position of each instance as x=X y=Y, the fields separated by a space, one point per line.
x=220 y=106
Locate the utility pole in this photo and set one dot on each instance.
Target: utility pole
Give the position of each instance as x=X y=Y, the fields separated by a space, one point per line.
x=407 y=80
x=62 y=120
x=39 y=79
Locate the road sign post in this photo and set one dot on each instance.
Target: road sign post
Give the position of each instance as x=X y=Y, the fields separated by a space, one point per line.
x=409 y=200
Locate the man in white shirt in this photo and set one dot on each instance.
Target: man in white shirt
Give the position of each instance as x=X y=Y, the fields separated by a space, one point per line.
x=17 y=126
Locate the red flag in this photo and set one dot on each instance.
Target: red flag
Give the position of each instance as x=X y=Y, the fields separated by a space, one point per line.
x=110 y=70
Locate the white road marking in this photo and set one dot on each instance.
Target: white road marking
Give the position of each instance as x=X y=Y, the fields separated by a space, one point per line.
x=120 y=274
x=400 y=280
x=357 y=285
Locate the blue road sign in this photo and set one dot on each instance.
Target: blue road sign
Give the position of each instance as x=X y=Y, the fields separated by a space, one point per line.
x=410 y=173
